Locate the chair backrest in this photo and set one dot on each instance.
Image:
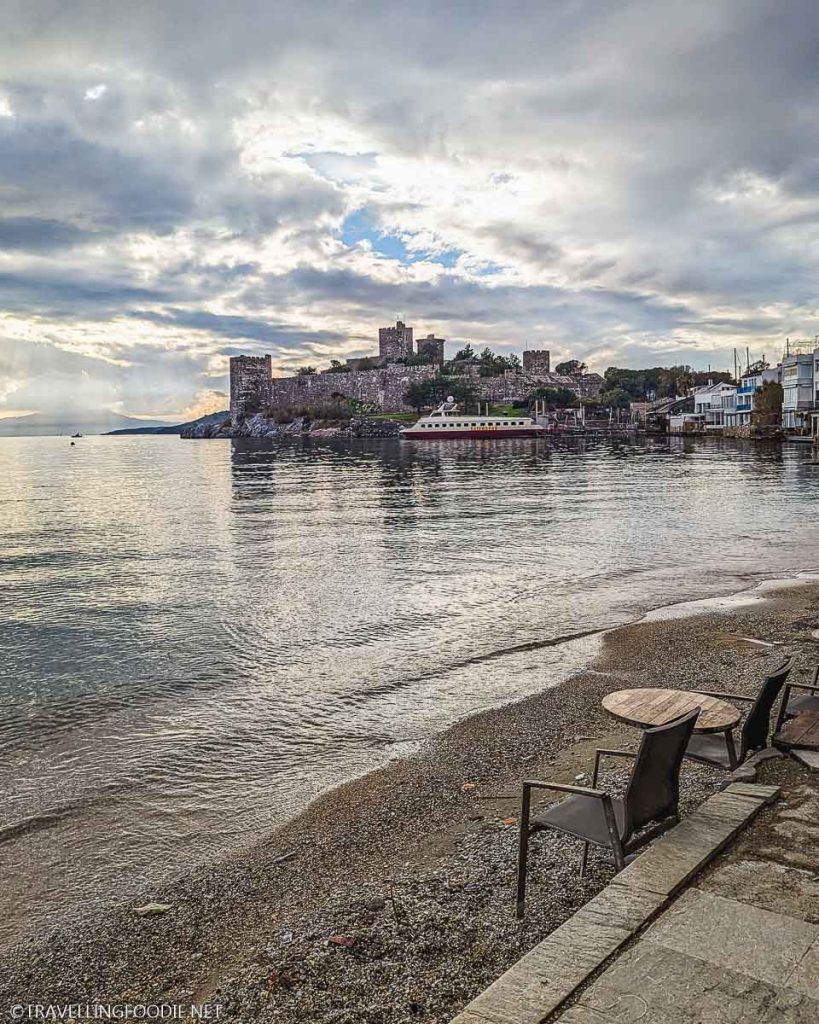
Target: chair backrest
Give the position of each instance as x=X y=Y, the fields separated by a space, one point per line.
x=653 y=791
x=757 y=724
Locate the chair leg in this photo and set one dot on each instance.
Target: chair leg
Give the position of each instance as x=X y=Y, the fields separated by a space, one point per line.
x=584 y=860
x=523 y=853
x=523 y=850
x=619 y=855
x=783 y=710
x=733 y=760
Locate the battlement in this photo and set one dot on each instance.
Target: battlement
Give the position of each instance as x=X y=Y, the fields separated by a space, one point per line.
x=536 y=360
x=253 y=388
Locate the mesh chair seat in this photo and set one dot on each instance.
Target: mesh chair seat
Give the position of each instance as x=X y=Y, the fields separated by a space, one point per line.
x=755 y=730
x=805 y=702
x=582 y=816
x=709 y=747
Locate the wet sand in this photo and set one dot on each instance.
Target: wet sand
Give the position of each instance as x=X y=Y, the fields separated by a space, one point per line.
x=390 y=899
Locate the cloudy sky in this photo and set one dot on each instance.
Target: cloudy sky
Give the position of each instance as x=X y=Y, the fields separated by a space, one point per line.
x=182 y=180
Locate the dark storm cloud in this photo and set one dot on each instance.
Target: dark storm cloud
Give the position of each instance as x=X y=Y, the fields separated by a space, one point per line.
x=64 y=297
x=237 y=327
x=48 y=163
x=37 y=234
x=456 y=301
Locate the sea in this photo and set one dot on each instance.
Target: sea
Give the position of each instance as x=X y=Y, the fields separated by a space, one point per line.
x=199 y=637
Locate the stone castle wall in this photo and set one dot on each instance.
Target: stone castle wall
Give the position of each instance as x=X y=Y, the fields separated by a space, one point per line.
x=382 y=388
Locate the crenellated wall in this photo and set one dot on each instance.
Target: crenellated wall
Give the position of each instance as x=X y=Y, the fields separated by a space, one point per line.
x=252 y=388
x=383 y=388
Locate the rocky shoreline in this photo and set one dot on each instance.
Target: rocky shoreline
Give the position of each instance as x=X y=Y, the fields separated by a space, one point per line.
x=389 y=901
x=259 y=426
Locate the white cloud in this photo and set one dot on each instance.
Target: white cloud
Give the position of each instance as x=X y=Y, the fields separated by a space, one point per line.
x=96 y=92
x=632 y=182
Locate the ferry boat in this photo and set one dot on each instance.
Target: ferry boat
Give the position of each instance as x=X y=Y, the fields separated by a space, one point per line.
x=446 y=422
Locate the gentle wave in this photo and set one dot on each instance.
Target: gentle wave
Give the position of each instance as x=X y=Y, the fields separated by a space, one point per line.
x=200 y=638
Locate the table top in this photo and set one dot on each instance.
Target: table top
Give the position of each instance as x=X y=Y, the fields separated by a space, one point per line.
x=801 y=732
x=650 y=706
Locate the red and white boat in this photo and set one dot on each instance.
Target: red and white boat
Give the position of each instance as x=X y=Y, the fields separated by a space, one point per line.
x=446 y=422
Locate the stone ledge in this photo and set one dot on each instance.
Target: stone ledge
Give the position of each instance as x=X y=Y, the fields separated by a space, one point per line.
x=754 y=790
x=538 y=984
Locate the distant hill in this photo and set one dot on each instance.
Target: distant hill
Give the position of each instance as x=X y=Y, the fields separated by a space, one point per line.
x=213 y=417
x=98 y=421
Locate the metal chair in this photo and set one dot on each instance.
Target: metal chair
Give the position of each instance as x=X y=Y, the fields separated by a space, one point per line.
x=596 y=817
x=718 y=748
x=805 y=702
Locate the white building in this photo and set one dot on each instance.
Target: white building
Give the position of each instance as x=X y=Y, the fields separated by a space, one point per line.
x=711 y=401
x=739 y=413
x=798 y=390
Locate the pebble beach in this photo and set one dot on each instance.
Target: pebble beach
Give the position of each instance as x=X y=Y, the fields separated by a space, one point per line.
x=391 y=898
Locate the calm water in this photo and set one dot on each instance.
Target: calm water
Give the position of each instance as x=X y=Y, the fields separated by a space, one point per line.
x=197 y=638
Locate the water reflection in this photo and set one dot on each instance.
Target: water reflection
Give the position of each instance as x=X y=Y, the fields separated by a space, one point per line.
x=199 y=637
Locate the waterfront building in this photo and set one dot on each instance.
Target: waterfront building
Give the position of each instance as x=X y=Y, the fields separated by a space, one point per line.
x=729 y=405
x=739 y=415
x=798 y=390
x=814 y=416
x=710 y=403
x=432 y=348
x=670 y=415
x=395 y=342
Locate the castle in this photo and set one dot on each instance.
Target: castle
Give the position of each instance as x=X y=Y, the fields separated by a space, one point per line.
x=253 y=387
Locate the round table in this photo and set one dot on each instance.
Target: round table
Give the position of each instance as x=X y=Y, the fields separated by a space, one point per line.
x=650 y=706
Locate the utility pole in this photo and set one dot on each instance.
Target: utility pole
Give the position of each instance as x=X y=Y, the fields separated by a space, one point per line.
x=747 y=359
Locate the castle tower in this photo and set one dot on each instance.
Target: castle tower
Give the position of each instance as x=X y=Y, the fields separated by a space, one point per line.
x=251 y=384
x=432 y=348
x=395 y=342
x=536 y=361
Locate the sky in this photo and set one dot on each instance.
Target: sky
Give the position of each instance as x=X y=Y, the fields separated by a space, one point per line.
x=631 y=183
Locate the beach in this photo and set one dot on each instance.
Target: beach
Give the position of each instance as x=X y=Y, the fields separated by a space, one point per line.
x=391 y=898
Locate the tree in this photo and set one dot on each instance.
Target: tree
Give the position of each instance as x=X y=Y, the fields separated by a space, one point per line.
x=767 y=410
x=417 y=395
x=425 y=393
x=492 y=365
x=466 y=355
x=616 y=398
x=570 y=367
x=660 y=381
x=306 y=371
x=715 y=376
x=416 y=359
x=558 y=398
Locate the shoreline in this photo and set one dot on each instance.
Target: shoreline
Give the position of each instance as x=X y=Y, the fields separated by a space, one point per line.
x=417 y=854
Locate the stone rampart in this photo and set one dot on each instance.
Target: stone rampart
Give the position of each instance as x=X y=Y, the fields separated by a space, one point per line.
x=383 y=388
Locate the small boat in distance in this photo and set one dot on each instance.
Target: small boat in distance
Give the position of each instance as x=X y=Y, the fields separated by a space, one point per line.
x=77 y=435
x=446 y=422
